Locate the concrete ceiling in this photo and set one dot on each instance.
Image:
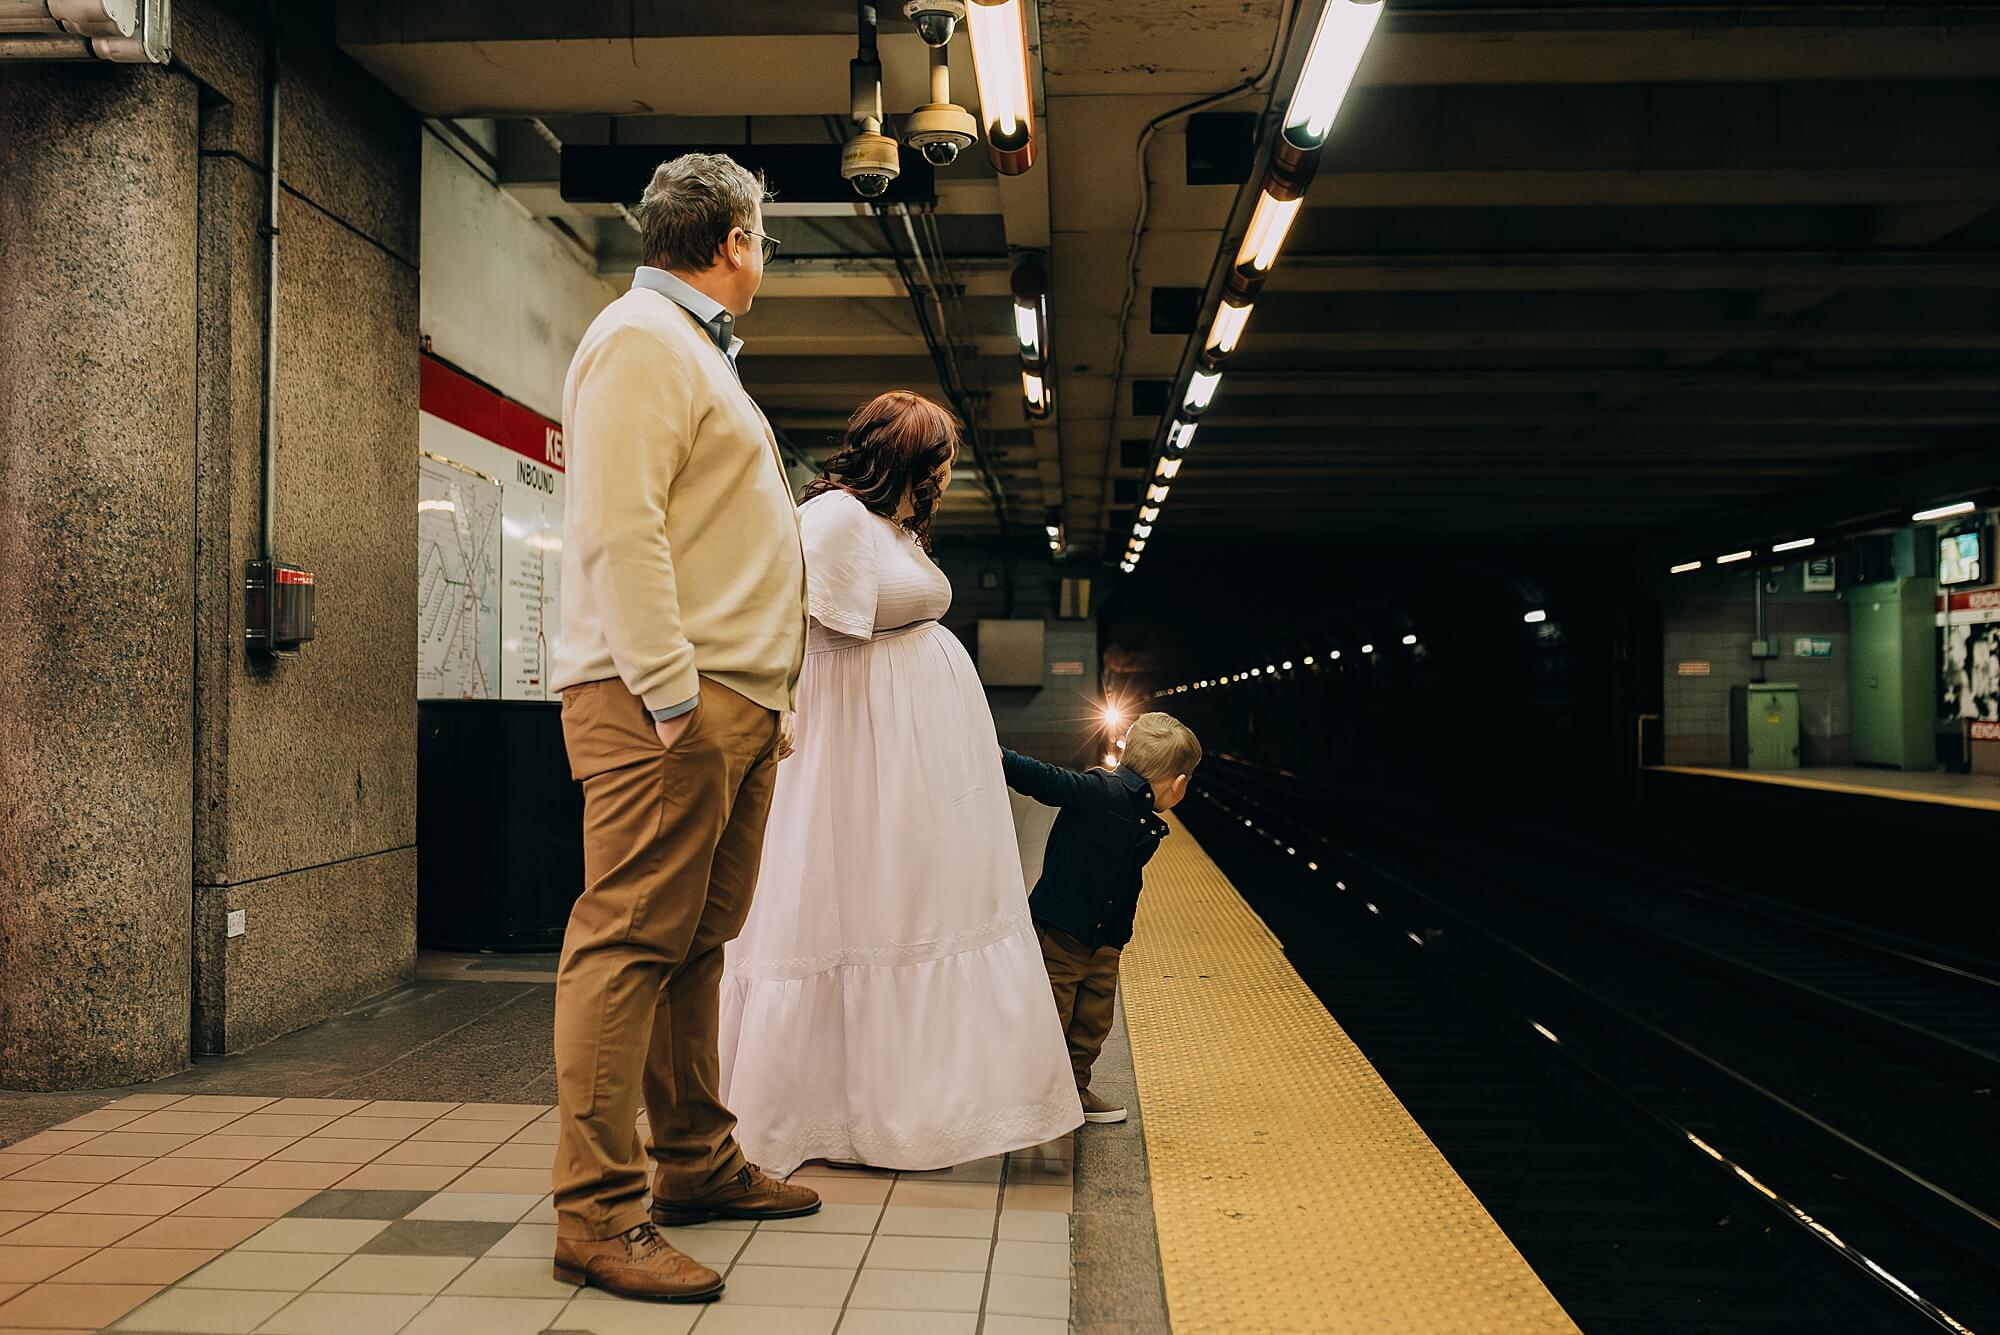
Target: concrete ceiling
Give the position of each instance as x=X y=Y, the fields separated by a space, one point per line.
x=1568 y=269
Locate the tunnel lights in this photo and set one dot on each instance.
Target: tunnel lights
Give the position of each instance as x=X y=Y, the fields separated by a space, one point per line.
x=1201 y=390
x=1345 y=27
x=1333 y=657
x=1684 y=567
x=1227 y=329
x=1288 y=665
x=1730 y=558
x=1113 y=716
x=1157 y=495
x=1308 y=660
x=1271 y=668
x=1180 y=436
x=1536 y=617
x=1168 y=470
x=1136 y=546
x=1053 y=530
x=1256 y=672
x=1149 y=513
x=1945 y=511
x=1367 y=648
x=1794 y=545
x=1266 y=234
x=1142 y=530
x=999 y=35
x=1128 y=566
x=1409 y=640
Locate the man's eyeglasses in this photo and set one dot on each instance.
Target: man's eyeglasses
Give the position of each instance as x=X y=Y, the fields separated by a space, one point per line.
x=770 y=244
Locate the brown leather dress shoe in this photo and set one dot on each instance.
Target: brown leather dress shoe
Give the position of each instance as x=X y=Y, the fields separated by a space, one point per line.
x=637 y=1263
x=751 y=1194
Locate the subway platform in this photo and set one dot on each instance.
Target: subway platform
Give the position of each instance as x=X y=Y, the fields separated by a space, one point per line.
x=387 y=1171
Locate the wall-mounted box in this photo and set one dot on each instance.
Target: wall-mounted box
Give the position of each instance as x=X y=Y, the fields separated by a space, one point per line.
x=1011 y=652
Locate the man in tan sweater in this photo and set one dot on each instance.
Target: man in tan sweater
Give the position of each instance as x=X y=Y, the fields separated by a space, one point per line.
x=683 y=630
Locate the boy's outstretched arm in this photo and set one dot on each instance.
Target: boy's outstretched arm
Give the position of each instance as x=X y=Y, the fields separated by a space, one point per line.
x=1052 y=785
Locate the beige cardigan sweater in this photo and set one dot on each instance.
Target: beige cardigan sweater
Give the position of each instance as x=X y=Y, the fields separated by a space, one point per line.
x=681 y=553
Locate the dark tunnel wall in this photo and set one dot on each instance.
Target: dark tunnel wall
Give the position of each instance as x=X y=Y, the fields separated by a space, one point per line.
x=1484 y=706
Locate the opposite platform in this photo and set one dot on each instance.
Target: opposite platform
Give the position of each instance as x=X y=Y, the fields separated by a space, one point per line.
x=1292 y=1191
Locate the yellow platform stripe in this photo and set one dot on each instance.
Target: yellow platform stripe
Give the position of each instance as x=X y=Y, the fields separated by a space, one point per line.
x=1932 y=796
x=1292 y=1192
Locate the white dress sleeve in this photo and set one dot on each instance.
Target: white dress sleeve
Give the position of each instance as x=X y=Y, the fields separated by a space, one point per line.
x=842 y=574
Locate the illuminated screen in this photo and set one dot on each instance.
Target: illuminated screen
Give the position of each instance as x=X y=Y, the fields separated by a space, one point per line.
x=1962 y=559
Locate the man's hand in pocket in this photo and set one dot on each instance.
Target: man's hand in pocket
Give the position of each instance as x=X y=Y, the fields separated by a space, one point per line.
x=671 y=730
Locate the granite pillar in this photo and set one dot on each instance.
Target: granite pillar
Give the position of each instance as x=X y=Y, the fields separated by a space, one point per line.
x=97 y=477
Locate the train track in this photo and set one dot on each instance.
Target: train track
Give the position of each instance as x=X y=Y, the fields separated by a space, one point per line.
x=1803 y=1082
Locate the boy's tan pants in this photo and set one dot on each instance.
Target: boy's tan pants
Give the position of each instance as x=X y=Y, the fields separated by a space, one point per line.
x=671 y=842
x=1086 y=987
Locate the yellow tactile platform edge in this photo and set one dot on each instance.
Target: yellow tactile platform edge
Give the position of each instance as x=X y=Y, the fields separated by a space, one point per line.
x=1292 y=1192
x=1929 y=796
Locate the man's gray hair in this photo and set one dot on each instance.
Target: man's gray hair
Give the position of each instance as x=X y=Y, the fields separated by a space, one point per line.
x=690 y=206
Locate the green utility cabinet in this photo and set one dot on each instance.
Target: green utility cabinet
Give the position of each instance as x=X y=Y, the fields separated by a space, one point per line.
x=1893 y=673
x=1764 y=726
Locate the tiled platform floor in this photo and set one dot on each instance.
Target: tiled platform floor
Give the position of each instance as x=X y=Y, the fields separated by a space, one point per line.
x=305 y=1216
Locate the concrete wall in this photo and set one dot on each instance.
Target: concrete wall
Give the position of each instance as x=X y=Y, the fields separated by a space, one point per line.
x=97 y=554
x=1712 y=619
x=504 y=298
x=169 y=777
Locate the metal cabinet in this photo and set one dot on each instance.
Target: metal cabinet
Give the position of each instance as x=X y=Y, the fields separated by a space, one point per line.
x=1764 y=726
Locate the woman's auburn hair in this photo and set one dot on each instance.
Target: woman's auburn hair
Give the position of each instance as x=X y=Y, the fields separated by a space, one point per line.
x=896 y=442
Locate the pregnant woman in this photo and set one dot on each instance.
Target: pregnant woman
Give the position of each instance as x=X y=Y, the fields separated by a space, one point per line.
x=886 y=1002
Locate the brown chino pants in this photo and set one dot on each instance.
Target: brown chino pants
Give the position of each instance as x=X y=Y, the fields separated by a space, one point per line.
x=671 y=842
x=1086 y=987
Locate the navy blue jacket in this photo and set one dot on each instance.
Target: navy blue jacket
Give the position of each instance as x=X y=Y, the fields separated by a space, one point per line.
x=1105 y=835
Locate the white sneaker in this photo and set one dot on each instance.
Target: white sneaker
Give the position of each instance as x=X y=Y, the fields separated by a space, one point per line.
x=1098 y=1110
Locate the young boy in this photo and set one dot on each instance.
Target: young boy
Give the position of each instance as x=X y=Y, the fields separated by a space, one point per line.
x=1107 y=831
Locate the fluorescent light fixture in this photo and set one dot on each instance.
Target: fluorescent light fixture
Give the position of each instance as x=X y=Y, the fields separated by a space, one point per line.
x=1342 y=39
x=1683 y=567
x=1945 y=511
x=1168 y=470
x=1536 y=617
x=1031 y=389
x=1729 y=558
x=1265 y=236
x=1409 y=639
x=1201 y=390
x=1180 y=436
x=1028 y=329
x=999 y=38
x=1148 y=513
x=1142 y=530
x=1157 y=494
x=1228 y=327
x=1794 y=545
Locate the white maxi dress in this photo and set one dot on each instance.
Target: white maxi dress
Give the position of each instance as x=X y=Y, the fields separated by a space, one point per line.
x=886 y=1000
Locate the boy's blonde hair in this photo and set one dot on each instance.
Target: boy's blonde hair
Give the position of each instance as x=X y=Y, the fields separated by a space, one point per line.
x=1159 y=748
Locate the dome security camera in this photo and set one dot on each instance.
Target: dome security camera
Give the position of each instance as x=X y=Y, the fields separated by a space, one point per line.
x=936 y=20
x=940 y=131
x=869 y=162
